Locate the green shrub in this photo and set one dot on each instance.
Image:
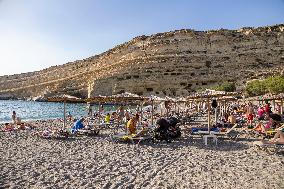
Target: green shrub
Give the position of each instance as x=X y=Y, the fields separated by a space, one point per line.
x=273 y=85
x=227 y=86
x=255 y=88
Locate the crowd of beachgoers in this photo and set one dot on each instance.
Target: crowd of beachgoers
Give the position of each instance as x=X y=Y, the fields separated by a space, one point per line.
x=130 y=148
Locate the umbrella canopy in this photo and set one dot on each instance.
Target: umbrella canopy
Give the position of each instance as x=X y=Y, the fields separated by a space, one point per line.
x=156 y=98
x=64 y=98
x=114 y=99
x=126 y=94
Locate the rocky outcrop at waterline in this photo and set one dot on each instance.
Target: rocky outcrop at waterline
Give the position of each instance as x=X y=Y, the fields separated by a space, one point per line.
x=172 y=63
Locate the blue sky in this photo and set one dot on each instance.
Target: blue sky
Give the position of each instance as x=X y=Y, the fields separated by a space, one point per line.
x=36 y=34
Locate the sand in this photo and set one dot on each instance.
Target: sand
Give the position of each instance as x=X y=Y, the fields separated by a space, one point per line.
x=97 y=162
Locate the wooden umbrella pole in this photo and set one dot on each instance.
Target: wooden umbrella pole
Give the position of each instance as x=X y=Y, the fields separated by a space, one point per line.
x=208 y=104
x=273 y=104
x=141 y=107
x=161 y=114
x=281 y=107
x=152 y=112
x=64 y=116
x=99 y=112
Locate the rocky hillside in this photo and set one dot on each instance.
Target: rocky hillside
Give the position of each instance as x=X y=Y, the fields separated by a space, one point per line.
x=172 y=63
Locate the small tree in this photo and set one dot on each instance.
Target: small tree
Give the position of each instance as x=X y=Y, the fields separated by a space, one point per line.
x=270 y=84
x=227 y=86
x=275 y=84
x=256 y=87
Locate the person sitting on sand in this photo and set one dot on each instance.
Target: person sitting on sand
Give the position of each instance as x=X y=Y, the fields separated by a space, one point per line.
x=78 y=125
x=18 y=121
x=107 y=118
x=232 y=119
x=8 y=127
x=22 y=126
x=131 y=124
x=114 y=116
x=263 y=128
x=69 y=117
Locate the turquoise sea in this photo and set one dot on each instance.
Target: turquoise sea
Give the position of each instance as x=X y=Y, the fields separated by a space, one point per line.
x=30 y=110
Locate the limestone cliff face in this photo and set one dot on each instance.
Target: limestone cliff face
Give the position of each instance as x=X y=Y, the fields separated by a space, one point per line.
x=172 y=63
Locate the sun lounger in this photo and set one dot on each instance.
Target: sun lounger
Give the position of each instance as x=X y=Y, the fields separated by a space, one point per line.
x=269 y=148
x=52 y=134
x=231 y=133
x=87 y=132
x=143 y=135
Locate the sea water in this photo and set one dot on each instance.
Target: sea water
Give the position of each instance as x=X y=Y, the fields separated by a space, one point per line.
x=30 y=110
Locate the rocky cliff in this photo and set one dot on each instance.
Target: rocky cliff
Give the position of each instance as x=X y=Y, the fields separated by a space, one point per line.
x=172 y=63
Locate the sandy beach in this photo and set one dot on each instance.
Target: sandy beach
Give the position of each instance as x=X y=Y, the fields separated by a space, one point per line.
x=96 y=162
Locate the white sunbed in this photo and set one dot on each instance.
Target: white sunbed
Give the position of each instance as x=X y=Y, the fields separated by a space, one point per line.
x=269 y=148
x=136 y=138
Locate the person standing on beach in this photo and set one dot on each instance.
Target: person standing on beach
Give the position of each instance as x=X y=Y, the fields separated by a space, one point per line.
x=249 y=114
x=14 y=117
x=90 y=110
x=120 y=113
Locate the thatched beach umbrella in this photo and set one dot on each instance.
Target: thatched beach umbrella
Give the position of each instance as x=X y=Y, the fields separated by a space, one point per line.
x=120 y=98
x=64 y=98
x=208 y=95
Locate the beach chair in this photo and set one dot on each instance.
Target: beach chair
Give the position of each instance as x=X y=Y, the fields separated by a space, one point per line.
x=87 y=132
x=231 y=133
x=143 y=135
x=52 y=134
x=269 y=148
x=214 y=133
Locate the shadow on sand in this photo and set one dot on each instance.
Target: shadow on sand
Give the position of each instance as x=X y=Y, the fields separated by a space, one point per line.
x=187 y=141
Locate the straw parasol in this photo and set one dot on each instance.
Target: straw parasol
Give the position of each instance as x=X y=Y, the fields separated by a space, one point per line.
x=64 y=98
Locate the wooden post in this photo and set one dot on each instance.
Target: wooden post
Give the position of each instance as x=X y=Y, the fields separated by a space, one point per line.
x=197 y=105
x=161 y=109
x=208 y=104
x=141 y=107
x=273 y=105
x=221 y=108
x=152 y=112
x=99 y=112
x=64 y=116
x=281 y=106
